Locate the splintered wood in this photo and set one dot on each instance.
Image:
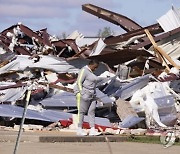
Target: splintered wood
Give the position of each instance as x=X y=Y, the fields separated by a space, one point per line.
x=124 y=109
x=162 y=54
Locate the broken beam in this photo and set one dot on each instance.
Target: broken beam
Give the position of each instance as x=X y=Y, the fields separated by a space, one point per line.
x=118 y=19
x=154 y=29
x=162 y=52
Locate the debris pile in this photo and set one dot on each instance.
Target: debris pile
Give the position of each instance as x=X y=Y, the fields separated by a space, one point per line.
x=140 y=84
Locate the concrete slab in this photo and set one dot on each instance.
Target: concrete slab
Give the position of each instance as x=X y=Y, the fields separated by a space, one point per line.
x=57 y=136
x=53 y=139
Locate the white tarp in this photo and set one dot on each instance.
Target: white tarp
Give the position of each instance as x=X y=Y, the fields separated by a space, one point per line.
x=146 y=100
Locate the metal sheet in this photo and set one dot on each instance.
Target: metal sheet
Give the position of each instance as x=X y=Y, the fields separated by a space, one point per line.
x=170 y=20
x=175 y=85
x=68 y=100
x=12 y=94
x=46 y=62
x=131 y=121
x=55 y=115
x=129 y=89
x=157 y=38
x=45 y=115
x=112 y=87
x=6 y=56
x=10 y=111
x=169 y=120
x=100 y=121
x=166 y=105
x=64 y=99
x=104 y=98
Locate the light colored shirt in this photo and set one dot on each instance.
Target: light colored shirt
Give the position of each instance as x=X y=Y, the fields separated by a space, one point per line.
x=86 y=83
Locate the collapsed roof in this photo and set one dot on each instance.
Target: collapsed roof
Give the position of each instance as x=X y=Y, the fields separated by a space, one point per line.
x=48 y=66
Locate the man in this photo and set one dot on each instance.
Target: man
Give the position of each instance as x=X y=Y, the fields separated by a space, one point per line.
x=85 y=91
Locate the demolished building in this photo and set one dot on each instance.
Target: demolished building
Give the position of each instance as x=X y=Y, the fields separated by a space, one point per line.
x=140 y=70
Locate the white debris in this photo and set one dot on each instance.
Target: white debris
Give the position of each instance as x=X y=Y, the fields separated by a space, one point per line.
x=162 y=75
x=144 y=100
x=2 y=51
x=53 y=38
x=51 y=77
x=174 y=70
x=36 y=108
x=23 y=62
x=106 y=74
x=170 y=20
x=98 y=48
x=9 y=34
x=77 y=36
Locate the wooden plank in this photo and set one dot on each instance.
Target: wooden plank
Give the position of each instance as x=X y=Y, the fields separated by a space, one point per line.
x=162 y=52
x=124 y=109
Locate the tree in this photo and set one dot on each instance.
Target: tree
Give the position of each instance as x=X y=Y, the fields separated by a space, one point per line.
x=105 y=32
x=64 y=36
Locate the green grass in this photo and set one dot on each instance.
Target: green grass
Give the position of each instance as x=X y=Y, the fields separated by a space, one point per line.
x=148 y=139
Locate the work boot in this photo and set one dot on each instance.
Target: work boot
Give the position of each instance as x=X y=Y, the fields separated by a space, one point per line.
x=94 y=132
x=81 y=132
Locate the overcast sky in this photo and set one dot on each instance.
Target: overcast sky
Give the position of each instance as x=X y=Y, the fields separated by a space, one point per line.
x=67 y=15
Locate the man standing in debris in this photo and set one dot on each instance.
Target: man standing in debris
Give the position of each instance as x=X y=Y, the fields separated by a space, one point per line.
x=85 y=90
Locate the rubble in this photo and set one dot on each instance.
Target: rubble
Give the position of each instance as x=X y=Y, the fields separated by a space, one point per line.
x=139 y=90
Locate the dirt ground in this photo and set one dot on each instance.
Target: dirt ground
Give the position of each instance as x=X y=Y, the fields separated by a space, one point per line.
x=87 y=148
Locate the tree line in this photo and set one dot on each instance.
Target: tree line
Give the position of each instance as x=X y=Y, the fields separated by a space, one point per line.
x=105 y=32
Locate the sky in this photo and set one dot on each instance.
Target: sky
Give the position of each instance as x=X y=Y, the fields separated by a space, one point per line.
x=66 y=16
